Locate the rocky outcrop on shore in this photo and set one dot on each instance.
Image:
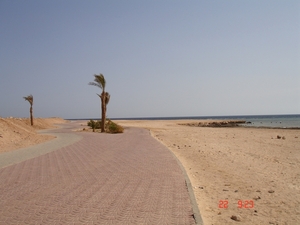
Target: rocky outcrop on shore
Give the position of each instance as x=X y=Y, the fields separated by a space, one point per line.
x=229 y=123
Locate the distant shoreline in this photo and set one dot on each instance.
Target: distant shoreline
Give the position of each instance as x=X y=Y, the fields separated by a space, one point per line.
x=199 y=117
x=288 y=121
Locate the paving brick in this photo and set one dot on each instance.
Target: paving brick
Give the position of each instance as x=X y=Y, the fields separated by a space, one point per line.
x=127 y=178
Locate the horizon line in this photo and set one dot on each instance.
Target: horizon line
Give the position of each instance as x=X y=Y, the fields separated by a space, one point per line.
x=183 y=117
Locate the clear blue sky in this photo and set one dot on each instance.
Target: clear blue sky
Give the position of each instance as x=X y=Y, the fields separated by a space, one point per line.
x=159 y=57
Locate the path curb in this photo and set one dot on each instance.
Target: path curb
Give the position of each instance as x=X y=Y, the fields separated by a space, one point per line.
x=196 y=211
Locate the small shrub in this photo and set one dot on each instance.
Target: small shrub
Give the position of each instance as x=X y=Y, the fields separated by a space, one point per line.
x=94 y=124
x=110 y=127
x=113 y=128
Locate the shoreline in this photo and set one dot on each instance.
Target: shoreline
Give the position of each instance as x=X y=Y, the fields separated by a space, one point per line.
x=279 y=120
x=231 y=124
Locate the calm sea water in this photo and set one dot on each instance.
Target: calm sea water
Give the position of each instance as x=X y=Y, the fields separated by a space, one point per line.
x=281 y=121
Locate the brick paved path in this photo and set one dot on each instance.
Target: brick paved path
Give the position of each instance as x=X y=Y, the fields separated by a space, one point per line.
x=127 y=178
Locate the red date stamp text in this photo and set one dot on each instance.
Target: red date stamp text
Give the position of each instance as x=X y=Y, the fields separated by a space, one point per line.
x=242 y=204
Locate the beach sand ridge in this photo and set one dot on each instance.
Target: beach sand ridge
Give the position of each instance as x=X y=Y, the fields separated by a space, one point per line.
x=17 y=133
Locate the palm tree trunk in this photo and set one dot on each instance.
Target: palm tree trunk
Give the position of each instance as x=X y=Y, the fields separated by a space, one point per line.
x=31 y=116
x=103 y=112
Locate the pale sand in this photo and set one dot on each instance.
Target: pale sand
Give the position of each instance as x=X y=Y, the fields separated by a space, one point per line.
x=236 y=164
x=17 y=133
x=222 y=163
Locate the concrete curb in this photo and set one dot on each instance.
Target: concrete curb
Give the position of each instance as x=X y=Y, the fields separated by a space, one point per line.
x=196 y=211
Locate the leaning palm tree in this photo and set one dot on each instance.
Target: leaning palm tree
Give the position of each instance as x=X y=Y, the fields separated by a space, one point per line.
x=100 y=82
x=29 y=98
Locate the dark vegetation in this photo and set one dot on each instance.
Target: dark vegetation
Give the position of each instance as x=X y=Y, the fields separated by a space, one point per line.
x=110 y=126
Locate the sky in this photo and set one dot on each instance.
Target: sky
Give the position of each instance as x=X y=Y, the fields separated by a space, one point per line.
x=160 y=58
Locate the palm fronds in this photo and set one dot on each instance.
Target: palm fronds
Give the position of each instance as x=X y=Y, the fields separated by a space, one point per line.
x=99 y=81
x=29 y=98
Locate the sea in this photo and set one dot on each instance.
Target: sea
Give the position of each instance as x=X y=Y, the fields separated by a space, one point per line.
x=291 y=121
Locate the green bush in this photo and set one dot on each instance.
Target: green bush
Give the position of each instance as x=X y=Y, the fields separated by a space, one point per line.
x=110 y=126
x=94 y=124
x=113 y=128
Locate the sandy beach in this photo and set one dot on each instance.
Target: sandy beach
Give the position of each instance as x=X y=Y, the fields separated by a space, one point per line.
x=232 y=164
x=18 y=133
x=245 y=175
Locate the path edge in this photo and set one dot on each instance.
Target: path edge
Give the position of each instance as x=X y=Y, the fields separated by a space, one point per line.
x=196 y=211
x=195 y=207
x=11 y=157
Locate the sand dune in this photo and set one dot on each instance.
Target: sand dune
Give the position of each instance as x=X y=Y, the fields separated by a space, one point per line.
x=18 y=133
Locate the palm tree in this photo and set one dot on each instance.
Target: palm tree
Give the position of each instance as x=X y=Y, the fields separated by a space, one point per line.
x=100 y=82
x=29 y=98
